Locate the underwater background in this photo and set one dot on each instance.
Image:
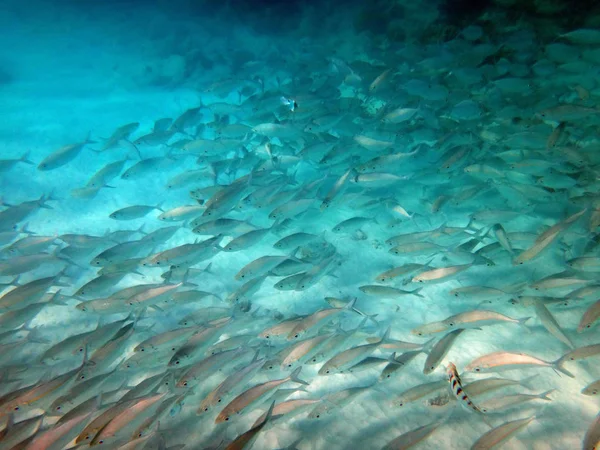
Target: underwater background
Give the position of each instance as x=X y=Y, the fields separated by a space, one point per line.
x=299 y=225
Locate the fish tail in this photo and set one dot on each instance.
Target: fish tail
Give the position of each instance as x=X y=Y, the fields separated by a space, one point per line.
x=523 y=320
x=25 y=158
x=372 y=318
x=558 y=367
x=544 y=395
x=295 y=379
x=416 y=292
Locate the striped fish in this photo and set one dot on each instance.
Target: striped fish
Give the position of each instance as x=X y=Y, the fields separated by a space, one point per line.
x=457 y=388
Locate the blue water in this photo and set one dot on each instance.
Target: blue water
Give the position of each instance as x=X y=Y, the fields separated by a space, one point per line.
x=483 y=119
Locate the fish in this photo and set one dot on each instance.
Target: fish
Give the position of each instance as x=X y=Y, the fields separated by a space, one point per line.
x=500 y=434
x=497 y=361
x=412 y=437
x=497 y=404
x=238 y=404
x=63 y=155
x=347 y=358
x=231 y=382
x=249 y=436
x=133 y=212
x=313 y=319
x=592 y=388
x=438 y=274
x=592 y=435
x=458 y=390
x=551 y=324
x=589 y=318
x=440 y=350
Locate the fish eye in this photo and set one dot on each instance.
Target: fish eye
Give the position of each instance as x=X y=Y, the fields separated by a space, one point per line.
x=477 y=369
x=185 y=383
x=318 y=415
x=226 y=418
x=327 y=371
x=101 y=442
x=16 y=408
x=142 y=349
x=388 y=375
x=81 y=349
x=218 y=401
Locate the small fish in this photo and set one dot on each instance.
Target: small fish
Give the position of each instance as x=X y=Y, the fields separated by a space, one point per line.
x=497 y=404
x=441 y=273
x=591 y=440
x=499 y=361
x=133 y=212
x=411 y=438
x=590 y=317
x=592 y=388
x=497 y=436
x=457 y=388
x=250 y=395
x=439 y=350
x=63 y=155
x=247 y=438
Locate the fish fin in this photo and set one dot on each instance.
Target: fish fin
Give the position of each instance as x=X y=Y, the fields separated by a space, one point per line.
x=522 y=322
x=350 y=305
x=385 y=336
x=558 y=367
x=35 y=336
x=25 y=158
x=427 y=346
x=267 y=416
x=525 y=382
x=294 y=377
x=392 y=358
x=185 y=281
x=544 y=395
x=416 y=292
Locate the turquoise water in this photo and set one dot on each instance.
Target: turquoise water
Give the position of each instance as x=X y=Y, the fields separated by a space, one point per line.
x=369 y=194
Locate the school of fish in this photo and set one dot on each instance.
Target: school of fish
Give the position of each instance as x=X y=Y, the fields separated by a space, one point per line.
x=341 y=252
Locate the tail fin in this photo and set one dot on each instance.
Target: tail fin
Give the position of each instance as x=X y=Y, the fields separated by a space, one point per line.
x=25 y=158
x=416 y=292
x=295 y=379
x=558 y=367
x=544 y=395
